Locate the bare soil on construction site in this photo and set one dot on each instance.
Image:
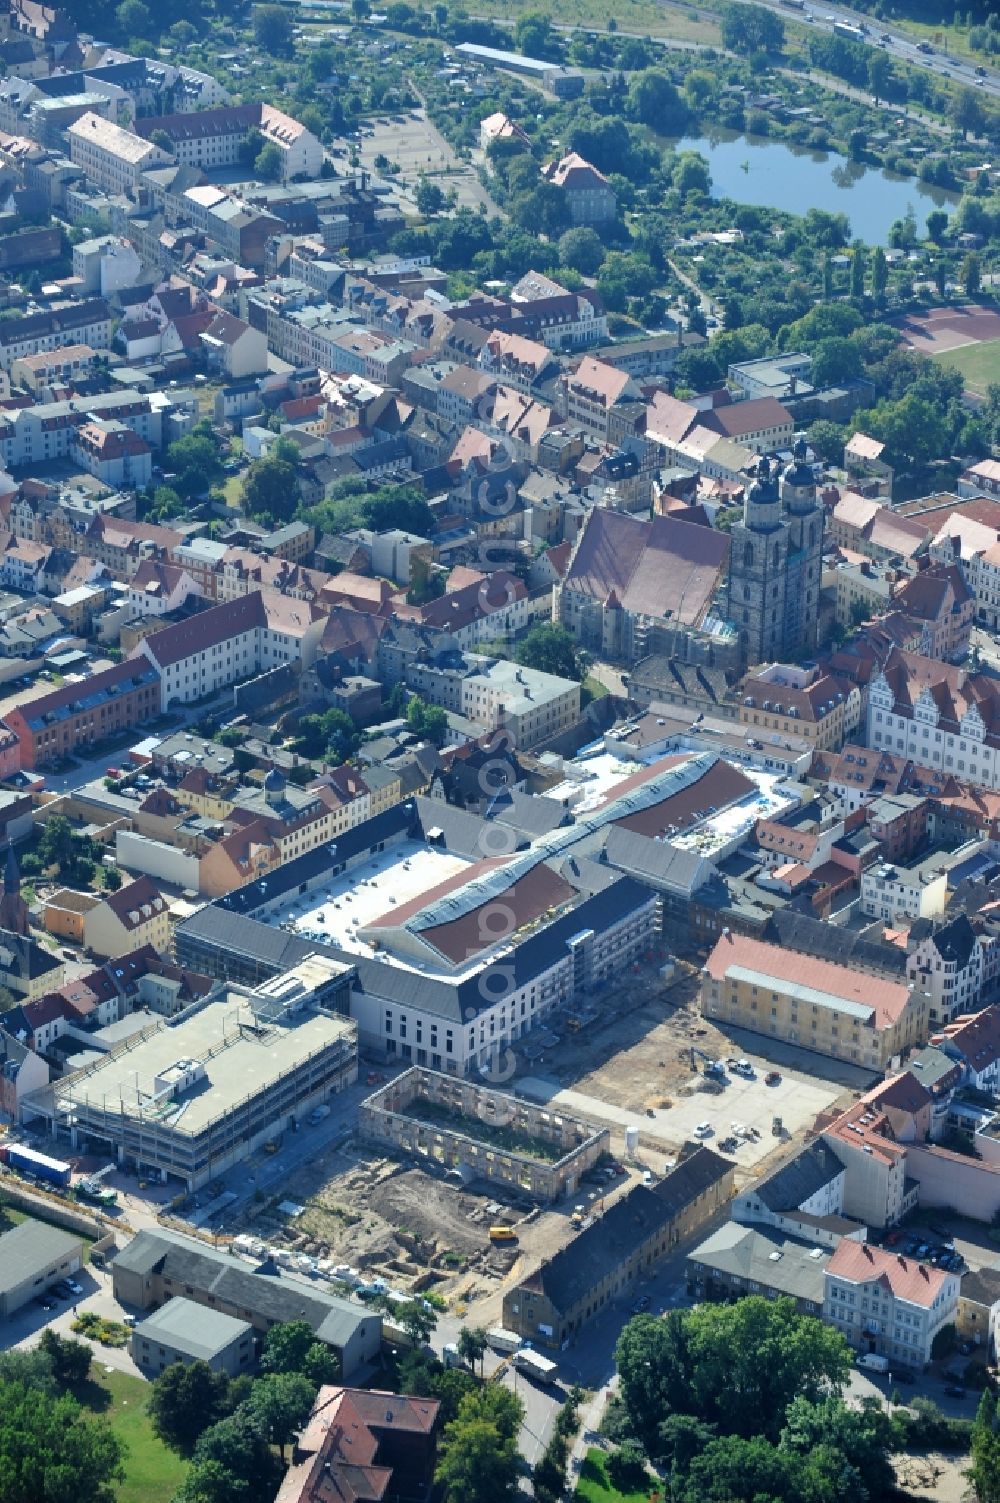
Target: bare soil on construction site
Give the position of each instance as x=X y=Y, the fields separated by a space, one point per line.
x=637 y=1054
x=402 y=1223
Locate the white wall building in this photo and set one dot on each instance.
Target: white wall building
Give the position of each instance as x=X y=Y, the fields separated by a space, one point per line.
x=113 y=158
x=887 y=1303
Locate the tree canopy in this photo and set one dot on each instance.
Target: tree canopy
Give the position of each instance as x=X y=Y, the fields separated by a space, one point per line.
x=50 y=1452
x=550 y=648
x=184 y=1400
x=271 y=490
x=733 y=1371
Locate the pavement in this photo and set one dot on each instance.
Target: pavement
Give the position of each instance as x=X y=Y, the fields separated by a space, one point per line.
x=797 y=1099
x=24 y=1329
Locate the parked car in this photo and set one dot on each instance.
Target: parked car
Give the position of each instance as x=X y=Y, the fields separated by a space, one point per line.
x=642 y=1303
x=903 y=1375
x=703 y=1130
x=773 y=1077
x=45 y=1302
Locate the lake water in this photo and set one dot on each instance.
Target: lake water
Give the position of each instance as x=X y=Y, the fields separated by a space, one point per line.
x=757 y=170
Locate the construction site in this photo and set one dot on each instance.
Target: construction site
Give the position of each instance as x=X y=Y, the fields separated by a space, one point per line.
x=414 y=1208
x=482 y=1134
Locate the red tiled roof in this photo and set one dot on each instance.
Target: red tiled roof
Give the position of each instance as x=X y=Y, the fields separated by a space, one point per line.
x=886 y=1000
x=904 y=1278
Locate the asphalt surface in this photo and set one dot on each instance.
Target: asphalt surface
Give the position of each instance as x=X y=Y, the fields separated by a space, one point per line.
x=898 y=43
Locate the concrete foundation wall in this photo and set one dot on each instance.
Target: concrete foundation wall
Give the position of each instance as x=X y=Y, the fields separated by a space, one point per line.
x=384 y=1119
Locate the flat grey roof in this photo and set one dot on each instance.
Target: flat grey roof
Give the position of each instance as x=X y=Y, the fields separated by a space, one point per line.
x=192 y=1328
x=30 y=1246
x=237 y=1065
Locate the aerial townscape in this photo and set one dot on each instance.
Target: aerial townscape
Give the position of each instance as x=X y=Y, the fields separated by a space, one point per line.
x=500 y=751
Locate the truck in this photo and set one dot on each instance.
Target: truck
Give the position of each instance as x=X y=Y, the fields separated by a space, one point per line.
x=503 y=1341
x=845 y=29
x=874 y=1361
x=317 y=1115
x=535 y=1366
x=28 y=1161
x=502 y=1234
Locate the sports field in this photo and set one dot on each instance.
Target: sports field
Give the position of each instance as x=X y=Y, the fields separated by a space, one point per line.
x=979 y=364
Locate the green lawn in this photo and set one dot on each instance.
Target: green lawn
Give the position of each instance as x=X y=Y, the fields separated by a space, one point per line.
x=646 y=17
x=978 y=363
x=10 y=1216
x=594 y=1486
x=153 y=1472
x=233 y=489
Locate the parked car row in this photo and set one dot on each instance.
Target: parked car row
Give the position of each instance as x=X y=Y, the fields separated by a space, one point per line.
x=65 y=1289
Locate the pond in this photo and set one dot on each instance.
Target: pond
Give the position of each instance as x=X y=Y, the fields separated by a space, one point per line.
x=757 y=170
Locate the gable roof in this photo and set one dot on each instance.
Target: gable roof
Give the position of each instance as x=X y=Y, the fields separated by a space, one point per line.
x=904 y=1278
x=657 y=568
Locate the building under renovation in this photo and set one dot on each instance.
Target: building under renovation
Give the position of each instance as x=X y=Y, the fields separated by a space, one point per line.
x=482 y=1133
x=214 y=1084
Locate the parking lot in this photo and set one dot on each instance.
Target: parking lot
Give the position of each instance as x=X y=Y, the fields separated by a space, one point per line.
x=737 y=1110
x=419 y=150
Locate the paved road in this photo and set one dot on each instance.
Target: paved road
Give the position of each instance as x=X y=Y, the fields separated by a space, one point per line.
x=898 y=43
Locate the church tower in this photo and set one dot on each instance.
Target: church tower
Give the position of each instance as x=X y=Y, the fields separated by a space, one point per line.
x=805 y=520
x=13 y=908
x=757 y=562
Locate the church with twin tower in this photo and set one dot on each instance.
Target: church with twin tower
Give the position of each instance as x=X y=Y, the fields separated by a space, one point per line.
x=775 y=563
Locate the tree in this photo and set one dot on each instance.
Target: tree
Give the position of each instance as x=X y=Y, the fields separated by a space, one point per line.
x=184 y=1400
x=913 y=429
x=269 y=163
x=160 y=138
x=736 y=1367
x=691 y=173
x=429 y=721
x=835 y=360
x=416 y=1318
x=550 y=648
x=134 y=18
x=653 y=100
x=937 y=225
x=749 y=1360
x=360 y=10
x=112 y=878
x=582 y=249
x=290 y=1346
x=238 y=1447
x=272 y=29
x=475 y=1462
x=271 y=490
x=879 y=74
x=51 y=1453
x=967 y=113
x=627 y=1467
x=970 y=275
x=858 y=272
x=195 y=461
x=478 y=1453
x=826 y=438
x=281 y=1402
x=472 y=1345
x=864 y=1437
x=984 y=1473
x=429 y=197
x=751 y=28
x=880 y=275
x=70 y=1359
x=533 y=35
x=652 y=1361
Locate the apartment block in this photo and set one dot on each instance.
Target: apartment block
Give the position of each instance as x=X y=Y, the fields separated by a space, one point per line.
x=813 y=1003
x=886 y=1303
x=113 y=158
